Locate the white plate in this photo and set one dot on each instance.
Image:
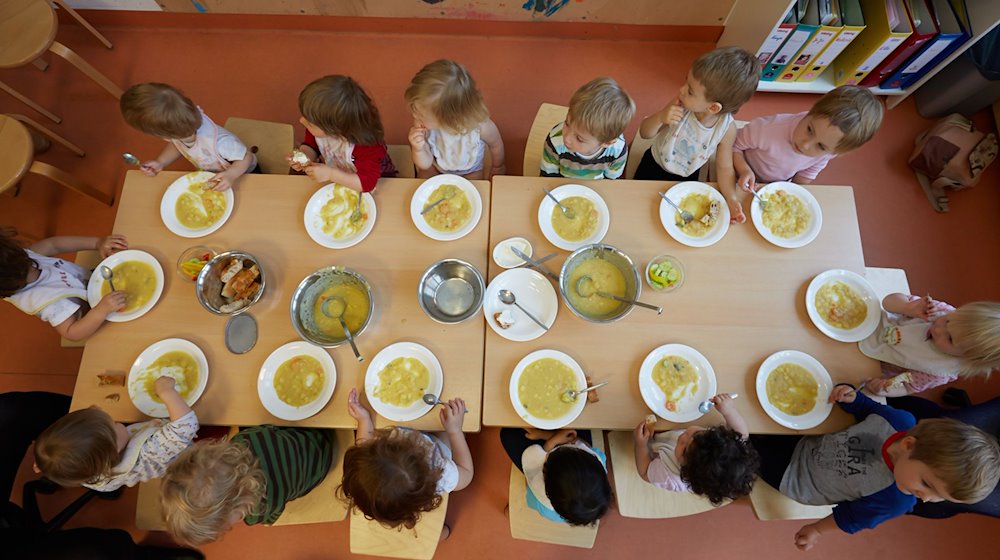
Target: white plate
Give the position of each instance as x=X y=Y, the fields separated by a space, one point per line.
x=533 y=291
x=544 y=423
x=820 y=411
x=403 y=350
x=859 y=285
x=806 y=197
x=547 y=206
x=668 y=215
x=687 y=407
x=314 y=223
x=421 y=198
x=96 y=281
x=265 y=381
x=507 y=259
x=167 y=205
x=136 y=375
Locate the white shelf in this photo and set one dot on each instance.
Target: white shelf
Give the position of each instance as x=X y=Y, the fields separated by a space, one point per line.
x=820 y=85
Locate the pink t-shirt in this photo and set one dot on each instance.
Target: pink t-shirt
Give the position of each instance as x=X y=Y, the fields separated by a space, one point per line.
x=766 y=144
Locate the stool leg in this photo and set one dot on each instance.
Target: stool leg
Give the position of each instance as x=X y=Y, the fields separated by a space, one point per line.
x=85 y=67
x=40 y=64
x=70 y=182
x=52 y=135
x=83 y=22
x=29 y=103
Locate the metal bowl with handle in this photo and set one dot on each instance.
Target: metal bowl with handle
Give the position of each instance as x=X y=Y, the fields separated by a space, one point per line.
x=614 y=256
x=451 y=291
x=208 y=286
x=304 y=306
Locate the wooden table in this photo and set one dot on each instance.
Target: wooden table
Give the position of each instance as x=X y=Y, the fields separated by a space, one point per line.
x=268 y=223
x=742 y=300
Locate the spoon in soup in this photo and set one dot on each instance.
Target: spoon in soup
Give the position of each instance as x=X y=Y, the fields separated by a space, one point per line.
x=108 y=275
x=585 y=288
x=356 y=214
x=449 y=193
x=568 y=212
x=571 y=394
x=685 y=215
x=333 y=307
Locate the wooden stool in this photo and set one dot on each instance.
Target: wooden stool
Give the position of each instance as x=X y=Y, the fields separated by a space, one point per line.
x=97 y=34
x=17 y=158
x=403 y=160
x=370 y=537
x=321 y=505
x=273 y=141
x=887 y=281
x=769 y=504
x=638 y=498
x=28 y=29
x=548 y=115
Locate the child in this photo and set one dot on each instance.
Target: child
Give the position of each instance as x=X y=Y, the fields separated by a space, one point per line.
x=395 y=475
x=216 y=484
x=924 y=343
x=797 y=147
x=567 y=477
x=878 y=468
x=700 y=122
x=718 y=462
x=87 y=448
x=163 y=111
x=590 y=143
x=344 y=131
x=53 y=289
x=451 y=125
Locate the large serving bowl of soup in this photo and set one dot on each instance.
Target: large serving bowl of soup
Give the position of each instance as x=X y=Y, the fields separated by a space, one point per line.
x=337 y=283
x=611 y=271
x=230 y=283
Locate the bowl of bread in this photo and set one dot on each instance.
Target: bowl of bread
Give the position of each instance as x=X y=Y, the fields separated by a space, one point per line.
x=230 y=283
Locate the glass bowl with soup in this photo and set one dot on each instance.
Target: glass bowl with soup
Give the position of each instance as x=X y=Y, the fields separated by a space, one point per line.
x=341 y=285
x=611 y=271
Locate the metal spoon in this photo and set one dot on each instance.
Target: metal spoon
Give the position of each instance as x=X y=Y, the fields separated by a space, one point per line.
x=763 y=203
x=356 y=215
x=507 y=296
x=573 y=393
x=585 y=280
x=568 y=212
x=131 y=159
x=685 y=215
x=108 y=275
x=705 y=406
x=447 y=195
x=338 y=313
x=433 y=400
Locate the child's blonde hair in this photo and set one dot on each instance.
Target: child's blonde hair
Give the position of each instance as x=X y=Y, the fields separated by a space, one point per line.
x=205 y=486
x=602 y=108
x=729 y=75
x=445 y=88
x=160 y=110
x=854 y=110
x=975 y=329
x=340 y=107
x=79 y=448
x=964 y=457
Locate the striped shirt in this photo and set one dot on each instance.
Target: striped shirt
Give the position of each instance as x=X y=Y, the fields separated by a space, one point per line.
x=558 y=161
x=294 y=461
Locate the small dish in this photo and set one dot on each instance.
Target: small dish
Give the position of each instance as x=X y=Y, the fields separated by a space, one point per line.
x=137 y=375
x=403 y=350
x=504 y=256
x=820 y=411
x=192 y=260
x=421 y=198
x=547 y=206
x=668 y=216
x=547 y=423
x=314 y=221
x=96 y=282
x=269 y=395
x=672 y=273
x=168 y=211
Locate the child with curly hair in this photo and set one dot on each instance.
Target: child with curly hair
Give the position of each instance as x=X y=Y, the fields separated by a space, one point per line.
x=718 y=462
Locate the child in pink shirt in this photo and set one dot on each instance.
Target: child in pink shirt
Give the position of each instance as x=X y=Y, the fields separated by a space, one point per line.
x=797 y=147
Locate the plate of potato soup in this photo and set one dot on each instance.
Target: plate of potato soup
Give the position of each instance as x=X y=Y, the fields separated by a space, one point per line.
x=589 y=223
x=843 y=305
x=328 y=216
x=674 y=379
x=791 y=216
x=708 y=207
x=399 y=376
x=793 y=388
x=538 y=387
x=135 y=272
x=180 y=359
x=189 y=208
x=455 y=216
x=296 y=380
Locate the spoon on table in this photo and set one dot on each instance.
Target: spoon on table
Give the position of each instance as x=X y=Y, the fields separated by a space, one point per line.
x=585 y=288
x=705 y=406
x=507 y=296
x=108 y=275
x=573 y=393
x=433 y=400
x=131 y=159
x=685 y=215
x=447 y=195
x=338 y=313
x=568 y=212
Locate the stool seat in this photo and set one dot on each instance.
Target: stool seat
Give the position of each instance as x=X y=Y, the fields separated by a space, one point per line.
x=16 y=152
x=28 y=28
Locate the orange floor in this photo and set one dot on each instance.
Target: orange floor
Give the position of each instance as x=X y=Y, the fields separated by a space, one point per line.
x=258 y=73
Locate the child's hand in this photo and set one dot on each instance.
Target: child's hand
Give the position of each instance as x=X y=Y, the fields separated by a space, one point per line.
x=295 y=165
x=356 y=409
x=536 y=433
x=111 y=244
x=673 y=113
x=418 y=137
x=919 y=308
x=747 y=180
x=151 y=167
x=452 y=415
x=723 y=402
x=163 y=385
x=642 y=435
x=221 y=182
x=563 y=437
x=736 y=214
x=843 y=393
x=807 y=537
x=881 y=386
x=320 y=173
x=114 y=301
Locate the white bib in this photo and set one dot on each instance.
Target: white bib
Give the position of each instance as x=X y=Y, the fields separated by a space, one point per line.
x=683 y=148
x=457 y=153
x=903 y=341
x=337 y=152
x=58 y=279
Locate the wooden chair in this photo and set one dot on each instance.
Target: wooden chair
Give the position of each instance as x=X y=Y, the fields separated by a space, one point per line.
x=28 y=29
x=548 y=115
x=769 y=504
x=528 y=525
x=270 y=141
x=636 y=149
x=17 y=158
x=638 y=498
x=372 y=538
x=403 y=160
x=887 y=281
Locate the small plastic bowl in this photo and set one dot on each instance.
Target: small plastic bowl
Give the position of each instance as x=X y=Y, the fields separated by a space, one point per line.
x=507 y=259
x=187 y=264
x=676 y=264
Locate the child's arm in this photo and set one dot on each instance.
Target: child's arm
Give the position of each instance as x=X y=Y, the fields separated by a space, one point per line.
x=70 y=244
x=926 y=308
x=549 y=165
x=79 y=329
x=167 y=391
x=323 y=173
x=745 y=177
x=452 y=416
x=809 y=535
x=858 y=404
x=669 y=115
x=420 y=151
x=727 y=178
x=366 y=429
x=223 y=181
x=643 y=454
x=490 y=134
x=169 y=155
x=724 y=404
x=799 y=179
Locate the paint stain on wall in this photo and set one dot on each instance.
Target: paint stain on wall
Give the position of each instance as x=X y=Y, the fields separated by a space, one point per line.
x=544 y=7
x=201 y=9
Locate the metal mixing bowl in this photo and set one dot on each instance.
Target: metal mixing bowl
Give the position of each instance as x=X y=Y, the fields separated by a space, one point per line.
x=208 y=286
x=613 y=255
x=304 y=303
x=451 y=291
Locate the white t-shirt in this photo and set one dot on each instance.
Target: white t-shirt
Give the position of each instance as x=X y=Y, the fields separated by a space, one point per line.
x=58 y=292
x=440 y=456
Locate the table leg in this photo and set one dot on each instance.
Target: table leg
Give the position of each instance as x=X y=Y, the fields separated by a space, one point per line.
x=70 y=182
x=29 y=103
x=62 y=4
x=85 y=67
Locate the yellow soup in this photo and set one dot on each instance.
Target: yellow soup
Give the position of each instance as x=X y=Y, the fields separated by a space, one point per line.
x=452 y=213
x=336 y=213
x=137 y=279
x=840 y=306
x=785 y=215
x=403 y=382
x=355 y=311
x=199 y=208
x=177 y=364
x=792 y=389
x=699 y=205
x=604 y=277
x=677 y=378
x=299 y=380
x=543 y=386
x=584 y=221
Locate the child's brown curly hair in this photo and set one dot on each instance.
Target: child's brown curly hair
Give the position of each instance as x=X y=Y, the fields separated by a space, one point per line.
x=14 y=262
x=719 y=464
